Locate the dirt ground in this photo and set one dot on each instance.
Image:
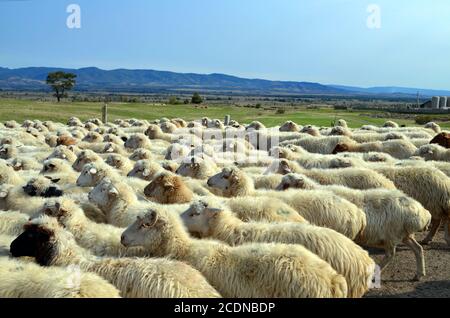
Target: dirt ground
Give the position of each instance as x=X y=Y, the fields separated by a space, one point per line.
x=397 y=280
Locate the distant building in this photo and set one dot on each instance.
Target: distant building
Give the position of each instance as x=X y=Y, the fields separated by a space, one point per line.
x=437 y=102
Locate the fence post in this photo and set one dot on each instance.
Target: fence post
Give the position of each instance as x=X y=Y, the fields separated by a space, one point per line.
x=227 y=120
x=105 y=113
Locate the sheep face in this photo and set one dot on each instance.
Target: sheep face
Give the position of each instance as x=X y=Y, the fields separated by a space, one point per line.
x=153 y=131
x=17 y=164
x=43 y=187
x=111 y=148
x=442 y=139
x=93 y=137
x=390 y=124
x=51 y=140
x=104 y=193
x=428 y=152
x=291 y=181
x=176 y=151
x=279 y=167
x=140 y=154
x=6 y=151
x=146 y=229
x=279 y=152
x=341 y=123
x=66 y=141
x=136 y=141
x=115 y=161
x=83 y=158
x=338 y=163
x=113 y=138
x=62 y=152
x=310 y=130
x=224 y=180
x=394 y=136
x=435 y=127
x=197 y=218
x=289 y=126
x=50 y=166
x=168 y=127
x=143 y=170
x=194 y=168
x=89 y=176
x=341 y=147
x=36 y=241
x=339 y=131
x=168 y=189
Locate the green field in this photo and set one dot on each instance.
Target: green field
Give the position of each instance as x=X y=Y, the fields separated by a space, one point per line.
x=20 y=109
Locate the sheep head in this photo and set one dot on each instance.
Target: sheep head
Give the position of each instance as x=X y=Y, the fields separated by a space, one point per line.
x=292 y=180
x=145 y=170
x=90 y=175
x=168 y=189
x=43 y=187
x=140 y=154
x=198 y=217
x=341 y=147
x=137 y=141
x=104 y=193
x=442 y=139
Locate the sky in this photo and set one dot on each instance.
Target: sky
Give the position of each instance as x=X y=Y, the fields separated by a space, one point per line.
x=347 y=42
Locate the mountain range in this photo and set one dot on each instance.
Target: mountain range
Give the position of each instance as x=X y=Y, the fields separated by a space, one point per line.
x=93 y=79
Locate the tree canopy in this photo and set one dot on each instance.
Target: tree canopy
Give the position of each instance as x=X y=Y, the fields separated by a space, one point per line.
x=61 y=82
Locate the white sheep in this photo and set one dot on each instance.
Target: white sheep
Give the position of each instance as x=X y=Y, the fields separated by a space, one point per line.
x=99 y=239
x=120 y=204
x=356 y=178
x=28 y=280
x=59 y=169
x=392 y=217
x=347 y=258
x=400 y=149
x=322 y=145
x=145 y=170
x=197 y=167
x=46 y=241
x=119 y=162
x=12 y=222
x=434 y=152
x=321 y=208
x=427 y=185
x=248 y=271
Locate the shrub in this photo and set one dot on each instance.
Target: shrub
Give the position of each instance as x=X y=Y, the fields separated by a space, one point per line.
x=280 y=111
x=422 y=120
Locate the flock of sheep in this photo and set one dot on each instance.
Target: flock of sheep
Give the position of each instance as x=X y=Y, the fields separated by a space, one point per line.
x=180 y=209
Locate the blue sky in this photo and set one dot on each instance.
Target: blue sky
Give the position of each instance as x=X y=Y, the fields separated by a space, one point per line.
x=325 y=41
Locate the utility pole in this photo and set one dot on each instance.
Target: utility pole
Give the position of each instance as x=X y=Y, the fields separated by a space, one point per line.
x=105 y=113
x=418 y=103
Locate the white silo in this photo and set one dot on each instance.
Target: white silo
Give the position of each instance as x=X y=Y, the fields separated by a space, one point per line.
x=435 y=102
x=443 y=102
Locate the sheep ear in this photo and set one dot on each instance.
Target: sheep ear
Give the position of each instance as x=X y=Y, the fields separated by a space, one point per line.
x=113 y=191
x=110 y=149
x=168 y=185
x=93 y=171
x=55 y=180
x=213 y=212
x=146 y=173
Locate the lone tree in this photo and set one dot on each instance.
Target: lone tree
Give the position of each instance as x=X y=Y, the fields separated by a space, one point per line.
x=196 y=99
x=61 y=82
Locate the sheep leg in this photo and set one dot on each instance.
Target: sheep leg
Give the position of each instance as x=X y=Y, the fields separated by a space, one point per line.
x=447 y=231
x=411 y=242
x=435 y=224
x=388 y=257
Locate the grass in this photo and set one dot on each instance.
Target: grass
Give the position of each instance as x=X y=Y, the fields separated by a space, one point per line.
x=19 y=110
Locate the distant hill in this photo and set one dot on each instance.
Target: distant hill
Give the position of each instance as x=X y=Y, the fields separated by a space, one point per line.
x=145 y=81
x=393 y=90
